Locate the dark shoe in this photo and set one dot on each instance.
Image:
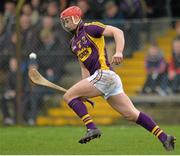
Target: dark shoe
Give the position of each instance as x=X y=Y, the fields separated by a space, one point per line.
x=169 y=144
x=90 y=135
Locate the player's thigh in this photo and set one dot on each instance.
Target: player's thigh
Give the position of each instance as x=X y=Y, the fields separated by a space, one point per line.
x=84 y=88
x=122 y=104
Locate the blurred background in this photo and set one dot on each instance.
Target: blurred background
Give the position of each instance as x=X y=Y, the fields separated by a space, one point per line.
x=150 y=71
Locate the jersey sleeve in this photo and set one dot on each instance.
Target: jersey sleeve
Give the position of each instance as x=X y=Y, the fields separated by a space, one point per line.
x=95 y=29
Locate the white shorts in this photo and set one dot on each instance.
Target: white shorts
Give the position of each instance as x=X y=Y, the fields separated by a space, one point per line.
x=107 y=81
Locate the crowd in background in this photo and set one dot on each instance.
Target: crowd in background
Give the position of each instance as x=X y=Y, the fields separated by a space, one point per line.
x=163 y=77
x=42 y=33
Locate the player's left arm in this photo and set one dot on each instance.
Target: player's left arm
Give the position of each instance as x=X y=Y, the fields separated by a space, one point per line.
x=118 y=35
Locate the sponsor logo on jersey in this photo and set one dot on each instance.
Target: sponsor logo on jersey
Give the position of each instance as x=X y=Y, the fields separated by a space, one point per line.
x=84 y=53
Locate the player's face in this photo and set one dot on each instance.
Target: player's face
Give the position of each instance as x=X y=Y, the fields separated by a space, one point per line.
x=68 y=24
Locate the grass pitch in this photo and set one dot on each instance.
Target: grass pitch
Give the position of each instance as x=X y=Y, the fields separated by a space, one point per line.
x=64 y=140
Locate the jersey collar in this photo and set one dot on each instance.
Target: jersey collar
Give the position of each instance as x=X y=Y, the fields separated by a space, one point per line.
x=79 y=27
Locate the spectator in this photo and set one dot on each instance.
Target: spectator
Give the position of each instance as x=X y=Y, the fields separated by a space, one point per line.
x=3 y=41
x=8 y=50
x=32 y=14
x=174 y=66
x=86 y=10
x=33 y=96
x=1 y=33
x=156 y=81
x=26 y=32
x=52 y=9
x=156 y=9
x=27 y=9
x=112 y=12
x=35 y=4
x=47 y=23
x=10 y=93
x=9 y=16
x=9 y=10
x=132 y=9
x=36 y=11
x=97 y=8
x=66 y=3
x=50 y=49
x=7 y=24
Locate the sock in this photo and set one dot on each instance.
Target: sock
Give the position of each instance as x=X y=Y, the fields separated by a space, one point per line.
x=146 y=122
x=80 y=109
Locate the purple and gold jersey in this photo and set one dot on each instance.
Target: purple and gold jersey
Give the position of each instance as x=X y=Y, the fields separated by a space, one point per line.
x=88 y=45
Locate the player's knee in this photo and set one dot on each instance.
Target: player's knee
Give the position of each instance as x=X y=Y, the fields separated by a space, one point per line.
x=131 y=116
x=66 y=97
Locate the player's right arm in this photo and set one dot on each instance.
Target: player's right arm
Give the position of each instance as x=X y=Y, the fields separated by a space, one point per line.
x=84 y=72
x=97 y=29
x=118 y=35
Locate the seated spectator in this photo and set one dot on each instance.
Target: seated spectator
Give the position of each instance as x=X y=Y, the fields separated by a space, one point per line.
x=156 y=66
x=174 y=66
x=10 y=94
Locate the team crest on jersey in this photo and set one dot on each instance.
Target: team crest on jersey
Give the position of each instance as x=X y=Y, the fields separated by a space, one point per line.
x=84 y=53
x=79 y=44
x=84 y=40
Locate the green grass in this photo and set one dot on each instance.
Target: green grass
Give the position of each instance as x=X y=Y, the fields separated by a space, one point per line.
x=64 y=140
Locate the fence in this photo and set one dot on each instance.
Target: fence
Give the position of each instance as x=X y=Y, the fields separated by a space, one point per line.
x=56 y=62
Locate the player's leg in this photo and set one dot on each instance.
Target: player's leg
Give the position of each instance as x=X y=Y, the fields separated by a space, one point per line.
x=83 y=89
x=123 y=105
